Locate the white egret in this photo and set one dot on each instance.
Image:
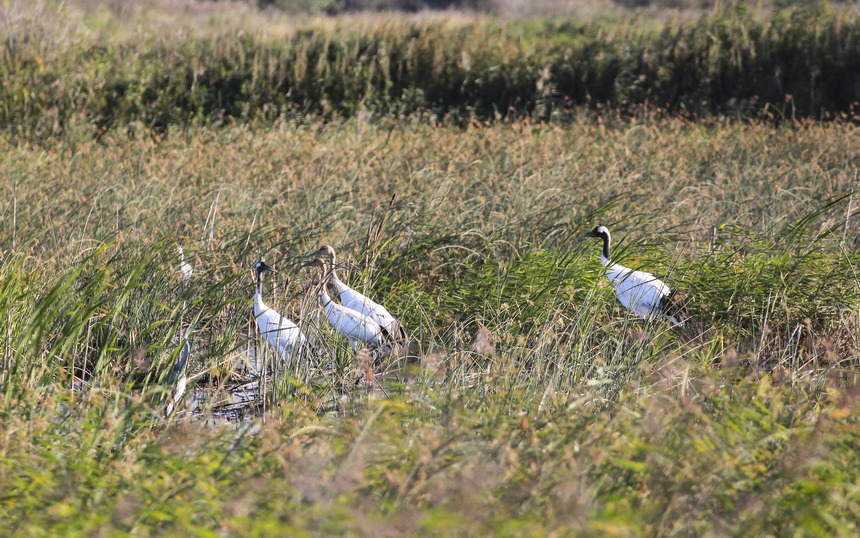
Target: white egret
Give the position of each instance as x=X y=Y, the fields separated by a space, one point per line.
x=365 y=306
x=352 y=325
x=282 y=335
x=640 y=292
x=184 y=268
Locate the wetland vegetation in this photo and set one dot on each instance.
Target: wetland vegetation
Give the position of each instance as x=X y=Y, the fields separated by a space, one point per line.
x=529 y=401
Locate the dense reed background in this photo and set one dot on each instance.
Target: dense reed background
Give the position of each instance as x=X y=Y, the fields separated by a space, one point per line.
x=529 y=401
x=57 y=75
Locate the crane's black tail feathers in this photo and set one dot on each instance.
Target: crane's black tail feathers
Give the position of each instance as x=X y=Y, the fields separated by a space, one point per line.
x=394 y=334
x=674 y=307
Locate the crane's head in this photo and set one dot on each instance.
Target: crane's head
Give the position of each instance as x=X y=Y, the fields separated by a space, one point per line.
x=601 y=232
x=262 y=267
x=320 y=264
x=326 y=251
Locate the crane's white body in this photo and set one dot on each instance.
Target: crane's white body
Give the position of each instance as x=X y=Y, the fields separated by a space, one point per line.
x=639 y=292
x=365 y=306
x=282 y=335
x=352 y=325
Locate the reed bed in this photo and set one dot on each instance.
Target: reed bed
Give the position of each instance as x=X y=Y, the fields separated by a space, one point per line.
x=85 y=72
x=528 y=401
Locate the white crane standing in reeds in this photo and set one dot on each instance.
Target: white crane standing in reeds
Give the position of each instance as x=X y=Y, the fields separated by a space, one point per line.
x=280 y=333
x=184 y=268
x=358 y=302
x=352 y=325
x=640 y=292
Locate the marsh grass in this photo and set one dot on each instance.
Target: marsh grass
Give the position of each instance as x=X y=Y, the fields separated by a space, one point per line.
x=70 y=71
x=528 y=400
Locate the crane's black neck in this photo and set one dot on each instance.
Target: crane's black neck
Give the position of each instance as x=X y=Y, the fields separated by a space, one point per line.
x=602 y=233
x=259 y=281
x=259 y=269
x=605 y=247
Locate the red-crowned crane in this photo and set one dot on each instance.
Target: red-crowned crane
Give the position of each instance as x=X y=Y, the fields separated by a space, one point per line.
x=282 y=335
x=640 y=292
